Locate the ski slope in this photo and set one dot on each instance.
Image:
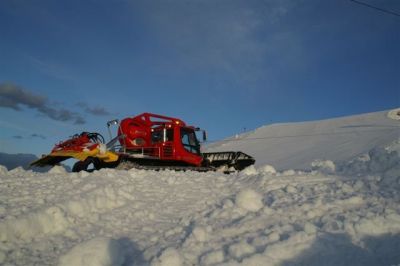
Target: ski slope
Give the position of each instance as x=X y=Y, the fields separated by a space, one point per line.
x=296 y=145
x=340 y=209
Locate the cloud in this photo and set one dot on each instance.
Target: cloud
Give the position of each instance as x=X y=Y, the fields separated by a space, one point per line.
x=97 y=111
x=13 y=97
x=34 y=135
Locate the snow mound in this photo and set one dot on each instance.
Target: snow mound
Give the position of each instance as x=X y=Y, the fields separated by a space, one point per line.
x=324 y=166
x=212 y=258
x=394 y=114
x=169 y=257
x=100 y=251
x=200 y=234
x=267 y=169
x=251 y=170
x=382 y=161
x=49 y=221
x=378 y=225
x=249 y=200
x=3 y=170
x=58 y=169
x=241 y=249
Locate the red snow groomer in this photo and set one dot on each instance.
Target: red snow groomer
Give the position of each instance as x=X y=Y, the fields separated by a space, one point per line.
x=146 y=141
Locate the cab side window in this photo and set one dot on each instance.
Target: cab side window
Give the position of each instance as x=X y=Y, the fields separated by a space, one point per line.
x=189 y=141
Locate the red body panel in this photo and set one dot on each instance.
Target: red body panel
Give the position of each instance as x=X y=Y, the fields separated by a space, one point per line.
x=160 y=136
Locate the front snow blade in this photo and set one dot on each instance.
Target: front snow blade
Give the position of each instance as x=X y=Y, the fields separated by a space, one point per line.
x=236 y=159
x=49 y=160
x=58 y=156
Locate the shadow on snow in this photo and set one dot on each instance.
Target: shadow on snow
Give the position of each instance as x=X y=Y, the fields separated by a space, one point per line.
x=338 y=249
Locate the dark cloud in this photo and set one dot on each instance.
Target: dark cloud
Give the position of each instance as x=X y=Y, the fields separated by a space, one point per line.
x=98 y=111
x=34 y=135
x=62 y=115
x=13 y=97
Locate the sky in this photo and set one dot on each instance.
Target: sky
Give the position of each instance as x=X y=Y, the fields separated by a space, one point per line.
x=226 y=66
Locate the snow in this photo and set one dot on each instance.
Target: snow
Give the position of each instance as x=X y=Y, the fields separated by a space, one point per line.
x=339 y=210
x=326 y=166
x=267 y=169
x=100 y=251
x=169 y=257
x=394 y=114
x=297 y=145
x=249 y=200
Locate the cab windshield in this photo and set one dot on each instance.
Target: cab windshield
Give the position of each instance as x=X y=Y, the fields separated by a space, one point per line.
x=189 y=140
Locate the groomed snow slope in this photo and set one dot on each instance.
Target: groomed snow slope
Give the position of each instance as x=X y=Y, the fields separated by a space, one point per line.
x=296 y=145
x=347 y=215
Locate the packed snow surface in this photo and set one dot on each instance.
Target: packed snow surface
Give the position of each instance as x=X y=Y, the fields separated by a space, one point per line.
x=297 y=145
x=334 y=212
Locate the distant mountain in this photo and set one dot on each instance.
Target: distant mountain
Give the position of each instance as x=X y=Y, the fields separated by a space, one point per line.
x=24 y=160
x=12 y=161
x=296 y=145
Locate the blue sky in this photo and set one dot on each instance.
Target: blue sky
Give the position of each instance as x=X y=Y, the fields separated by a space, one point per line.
x=69 y=66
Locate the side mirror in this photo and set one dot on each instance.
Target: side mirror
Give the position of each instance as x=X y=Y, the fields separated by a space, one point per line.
x=204 y=135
